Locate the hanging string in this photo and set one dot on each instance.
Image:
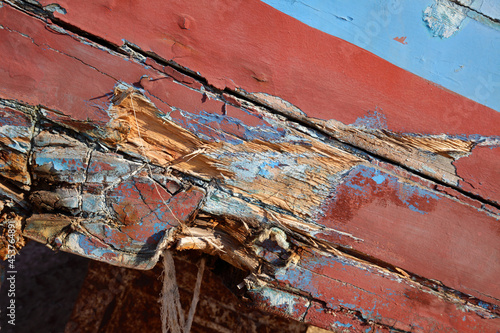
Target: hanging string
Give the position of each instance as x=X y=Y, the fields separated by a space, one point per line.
x=196 y=296
x=172 y=315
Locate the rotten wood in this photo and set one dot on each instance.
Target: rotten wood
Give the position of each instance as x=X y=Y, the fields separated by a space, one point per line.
x=115 y=154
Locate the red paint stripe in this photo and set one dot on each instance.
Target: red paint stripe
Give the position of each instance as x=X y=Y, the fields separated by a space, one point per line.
x=249 y=44
x=428 y=235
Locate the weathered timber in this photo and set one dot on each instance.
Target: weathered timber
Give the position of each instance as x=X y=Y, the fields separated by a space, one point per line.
x=115 y=299
x=110 y=152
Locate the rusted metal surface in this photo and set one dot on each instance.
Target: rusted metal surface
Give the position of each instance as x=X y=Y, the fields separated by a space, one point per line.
x=116 y=154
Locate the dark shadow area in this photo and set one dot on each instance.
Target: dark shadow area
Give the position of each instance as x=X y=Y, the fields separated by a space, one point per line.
x=47 y=285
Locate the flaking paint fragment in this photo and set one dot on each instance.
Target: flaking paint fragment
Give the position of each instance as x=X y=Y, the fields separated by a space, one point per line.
x=444 y=18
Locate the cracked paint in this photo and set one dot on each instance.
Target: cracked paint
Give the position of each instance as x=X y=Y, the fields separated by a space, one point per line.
x=377 y=225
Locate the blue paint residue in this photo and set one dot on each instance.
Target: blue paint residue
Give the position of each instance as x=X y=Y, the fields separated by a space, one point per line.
x=90 y=249
x=303 y=278
x=373 y=119
x=339 y=324
x=487 y=306
x=444 y=19
x=379 y=179
x=358 y=180
x=349 y=306
x=263 y=168
x=280 y=300
x=299 y=278
x=203 y=124
x=61 y=164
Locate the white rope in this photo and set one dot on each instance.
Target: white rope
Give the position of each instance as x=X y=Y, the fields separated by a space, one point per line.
x=172 y=314
x=196 y=296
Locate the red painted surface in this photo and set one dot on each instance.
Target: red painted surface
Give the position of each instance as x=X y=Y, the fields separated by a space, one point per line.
x=81 y=89
x=480 y=172
x=39 y=75
x=373 y=295
x=440 y=238
x=250 y=45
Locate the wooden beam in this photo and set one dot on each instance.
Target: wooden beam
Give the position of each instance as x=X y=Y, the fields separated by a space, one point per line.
x=116 y=152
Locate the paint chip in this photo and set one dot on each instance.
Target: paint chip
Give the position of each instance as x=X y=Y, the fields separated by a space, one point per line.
x=445 y=18
x=402 y=40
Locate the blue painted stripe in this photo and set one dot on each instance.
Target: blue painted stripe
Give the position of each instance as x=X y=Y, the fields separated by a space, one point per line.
x=467 y=62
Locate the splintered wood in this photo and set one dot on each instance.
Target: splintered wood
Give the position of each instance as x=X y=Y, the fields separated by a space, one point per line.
x=124 y=157
x=270 y=200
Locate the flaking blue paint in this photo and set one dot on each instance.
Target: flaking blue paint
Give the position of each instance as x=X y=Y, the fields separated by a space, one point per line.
x=13 y=132
x=263 y=168
x=103 y=170
x=223 y=204
x=303 y=278
x=69 y=169
x=444 y=18
x=489 y=307
x=88 y=248
x=280 y=299
x=298 y=277
x=373 y=119
x=467 y=63
x=247 y=165
x=379 y=179
x=339 y=324
x=205 y=121
x=61 y=164
x=361 y=174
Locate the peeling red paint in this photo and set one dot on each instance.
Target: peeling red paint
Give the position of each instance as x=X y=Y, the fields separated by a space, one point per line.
x=318 y=316
x=357 y=295
x=84 y=95
x=402 y=40
x=146 y=211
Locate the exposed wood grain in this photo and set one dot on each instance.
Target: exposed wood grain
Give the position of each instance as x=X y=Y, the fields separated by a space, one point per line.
x=113 y=154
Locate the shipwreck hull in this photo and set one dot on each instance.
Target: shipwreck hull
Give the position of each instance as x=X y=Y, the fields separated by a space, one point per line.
x=354 y=192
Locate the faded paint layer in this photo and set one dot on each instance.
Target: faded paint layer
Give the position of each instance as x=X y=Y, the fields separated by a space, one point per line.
x=115 y=154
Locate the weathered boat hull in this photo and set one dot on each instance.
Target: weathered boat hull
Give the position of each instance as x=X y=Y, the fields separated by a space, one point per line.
x=356 y=194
